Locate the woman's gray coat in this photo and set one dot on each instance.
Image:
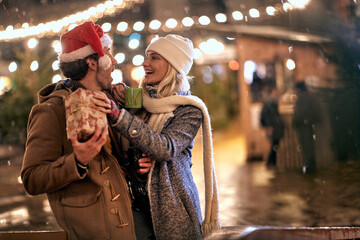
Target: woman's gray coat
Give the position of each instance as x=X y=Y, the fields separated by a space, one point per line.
x=174 y=198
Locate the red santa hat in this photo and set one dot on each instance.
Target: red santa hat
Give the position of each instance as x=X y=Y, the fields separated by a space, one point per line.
x=83 y=41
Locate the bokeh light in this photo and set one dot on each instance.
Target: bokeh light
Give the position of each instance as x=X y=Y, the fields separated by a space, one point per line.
x=138 y=60
x=137 y=73
x=13 y=66
x=117 y=76
x=32 y=43
x=120 y=57
x=290 y=64
x=233 y=65
x=34 y=66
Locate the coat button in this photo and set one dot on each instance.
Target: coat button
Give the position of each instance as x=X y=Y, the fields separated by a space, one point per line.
x=133 y=132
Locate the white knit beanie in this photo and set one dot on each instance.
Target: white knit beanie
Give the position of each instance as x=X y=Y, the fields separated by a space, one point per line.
x=177 y=50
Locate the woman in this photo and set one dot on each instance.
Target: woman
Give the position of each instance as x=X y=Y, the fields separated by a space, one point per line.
x=165 y=132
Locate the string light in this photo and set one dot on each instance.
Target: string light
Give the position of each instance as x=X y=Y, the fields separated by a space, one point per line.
x=270 y=10
x=57 y=46
x=12 y=67
x=120 y=58
x=106 y=27
x=299 y=3
x=5 y=84
x=34 y=66
x=122 y=26
x=204 y=20
x=117 y=76
x=137 y=73
x=155 y=24
x=211 y=46
x=171 y=23
x=55 y=65
x=188 y=22
x=138 y=60
x=237 y=16
x=254 y=13
x=56 y=78
x=220 y=17
x=139 y=26
x=287 y=7
x=108 y=7
x=32 y=43
x=290 y=64
x=68 y=22
x=134 y=43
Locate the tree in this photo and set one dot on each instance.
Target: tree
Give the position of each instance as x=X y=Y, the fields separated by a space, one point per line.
x=15 y=105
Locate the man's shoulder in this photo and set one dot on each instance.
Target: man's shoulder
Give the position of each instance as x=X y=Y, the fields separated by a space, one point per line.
x=56 y=98
x=53 y=103
x=54 y=90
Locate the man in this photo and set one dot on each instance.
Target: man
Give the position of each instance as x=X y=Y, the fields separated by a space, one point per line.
x=307 y=117
x=270 y=119
x=84 y=182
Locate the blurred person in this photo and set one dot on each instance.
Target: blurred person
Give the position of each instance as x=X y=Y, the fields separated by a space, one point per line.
x=84 y=181
x=270 y=119
x=165 y=130
x=307 y=114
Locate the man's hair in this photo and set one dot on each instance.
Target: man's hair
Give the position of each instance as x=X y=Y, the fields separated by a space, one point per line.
x=77 y=70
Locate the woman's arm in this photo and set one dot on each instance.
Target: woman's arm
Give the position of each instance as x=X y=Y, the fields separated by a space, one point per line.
x=176 y=136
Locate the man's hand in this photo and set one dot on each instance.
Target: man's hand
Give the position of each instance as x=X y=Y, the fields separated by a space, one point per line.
x=86 y=151
x=144 y=164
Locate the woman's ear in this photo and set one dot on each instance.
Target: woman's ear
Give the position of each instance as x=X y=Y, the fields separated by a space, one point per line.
x=91 y=63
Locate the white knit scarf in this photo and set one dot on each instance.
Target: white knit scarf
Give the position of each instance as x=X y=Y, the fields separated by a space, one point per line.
x=161 y=110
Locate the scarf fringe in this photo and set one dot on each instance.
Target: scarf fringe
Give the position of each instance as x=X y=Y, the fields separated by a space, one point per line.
x=208 y=228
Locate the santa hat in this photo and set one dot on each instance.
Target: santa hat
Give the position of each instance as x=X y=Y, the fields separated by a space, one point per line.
x=83 y=41
x=177 y=50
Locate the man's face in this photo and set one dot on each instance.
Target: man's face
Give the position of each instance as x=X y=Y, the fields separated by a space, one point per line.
x=103 y=77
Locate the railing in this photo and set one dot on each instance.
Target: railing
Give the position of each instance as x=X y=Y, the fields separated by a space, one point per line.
x=33 y=235
x=230 y=233
x=286 y=233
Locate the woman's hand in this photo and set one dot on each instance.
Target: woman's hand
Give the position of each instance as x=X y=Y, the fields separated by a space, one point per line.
x=118 y=92
x=102 y=102
x=107 y=106
x=144 y=164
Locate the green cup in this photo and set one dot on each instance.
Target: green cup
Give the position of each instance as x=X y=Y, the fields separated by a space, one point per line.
x=133 y=97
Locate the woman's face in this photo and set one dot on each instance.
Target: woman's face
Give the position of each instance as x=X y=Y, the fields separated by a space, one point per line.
x=155 y=67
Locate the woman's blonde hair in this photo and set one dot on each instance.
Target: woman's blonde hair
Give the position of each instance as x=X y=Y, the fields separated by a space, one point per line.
x=171 y=83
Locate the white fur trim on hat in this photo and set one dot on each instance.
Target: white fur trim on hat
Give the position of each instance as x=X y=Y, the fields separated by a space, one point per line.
x=83 y=52
x=105 y=62
x=177 y=50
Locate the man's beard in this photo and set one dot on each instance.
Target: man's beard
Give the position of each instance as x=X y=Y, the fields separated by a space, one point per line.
x=104 y=83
